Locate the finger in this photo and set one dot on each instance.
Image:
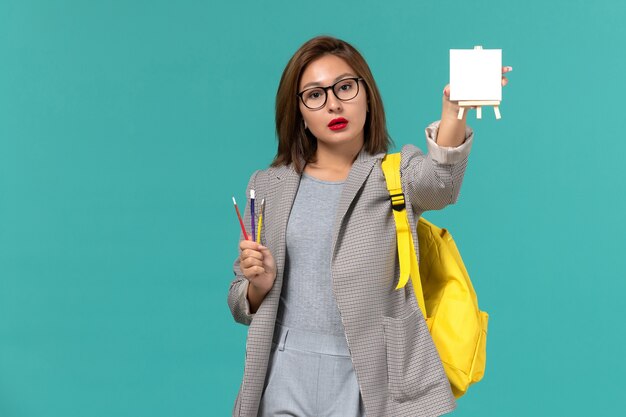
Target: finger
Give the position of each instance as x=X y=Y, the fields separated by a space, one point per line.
x=506 y=69
x=505 y=81
x=247 y=253
x=250 y=262
x=446 y=90
x=248 y=244
x=254 y=271
x=265 y=250
x=251 y=254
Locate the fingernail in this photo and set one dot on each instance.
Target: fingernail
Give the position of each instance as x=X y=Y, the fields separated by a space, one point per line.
x=510 y=68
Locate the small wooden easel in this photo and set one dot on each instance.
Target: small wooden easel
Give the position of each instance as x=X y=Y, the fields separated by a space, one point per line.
x=479 y=104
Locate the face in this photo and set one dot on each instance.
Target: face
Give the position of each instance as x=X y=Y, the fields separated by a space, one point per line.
x=337 y=122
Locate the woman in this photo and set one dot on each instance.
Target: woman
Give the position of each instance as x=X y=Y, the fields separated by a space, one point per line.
x=328 y=333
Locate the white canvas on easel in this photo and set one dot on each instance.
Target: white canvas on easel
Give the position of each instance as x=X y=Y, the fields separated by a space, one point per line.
x=476 y=78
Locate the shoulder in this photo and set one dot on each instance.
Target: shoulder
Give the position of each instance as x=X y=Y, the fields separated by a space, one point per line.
x=409 y=155
x=277 y=172
x=265 y=177
x=409 y=150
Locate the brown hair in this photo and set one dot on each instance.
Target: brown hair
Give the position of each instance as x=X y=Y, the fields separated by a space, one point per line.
x=297 y=145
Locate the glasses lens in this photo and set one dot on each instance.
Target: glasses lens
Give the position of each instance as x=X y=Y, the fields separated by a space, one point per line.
x=314 y=98
x=346 y=89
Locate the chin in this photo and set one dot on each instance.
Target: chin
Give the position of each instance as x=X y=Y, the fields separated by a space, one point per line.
x=340 y=140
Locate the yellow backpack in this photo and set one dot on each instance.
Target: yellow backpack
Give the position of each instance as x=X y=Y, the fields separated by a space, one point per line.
x=443 y=290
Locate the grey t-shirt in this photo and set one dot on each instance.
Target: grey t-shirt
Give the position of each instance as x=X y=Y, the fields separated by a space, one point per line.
x=307 y=300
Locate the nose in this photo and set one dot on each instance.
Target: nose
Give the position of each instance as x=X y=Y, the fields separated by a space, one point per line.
x=333 y=104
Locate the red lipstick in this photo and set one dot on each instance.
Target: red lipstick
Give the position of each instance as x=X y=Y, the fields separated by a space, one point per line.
x=338 y=124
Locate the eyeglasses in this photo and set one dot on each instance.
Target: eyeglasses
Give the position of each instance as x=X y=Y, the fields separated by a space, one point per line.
x=315 y=98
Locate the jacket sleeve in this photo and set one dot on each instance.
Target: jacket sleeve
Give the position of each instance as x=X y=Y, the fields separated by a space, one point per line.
x=238 y=291
x=432 y=181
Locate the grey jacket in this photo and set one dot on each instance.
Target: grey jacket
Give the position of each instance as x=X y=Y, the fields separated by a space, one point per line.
x=396 y=363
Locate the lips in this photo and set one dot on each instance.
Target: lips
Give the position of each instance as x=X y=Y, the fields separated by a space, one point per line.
x=338 y=124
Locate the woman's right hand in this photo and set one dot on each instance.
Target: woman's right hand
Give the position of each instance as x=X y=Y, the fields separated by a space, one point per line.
x=258 y=265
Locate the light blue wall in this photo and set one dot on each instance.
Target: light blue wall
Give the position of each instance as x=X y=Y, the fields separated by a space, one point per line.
x=126 y=127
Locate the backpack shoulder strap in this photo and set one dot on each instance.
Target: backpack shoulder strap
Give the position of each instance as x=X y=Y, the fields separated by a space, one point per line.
x=406 y=246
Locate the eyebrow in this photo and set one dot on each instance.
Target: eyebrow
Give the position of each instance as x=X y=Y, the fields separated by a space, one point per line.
x=315 y=84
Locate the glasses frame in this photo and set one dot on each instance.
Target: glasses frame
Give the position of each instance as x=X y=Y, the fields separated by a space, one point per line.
x=332 y=88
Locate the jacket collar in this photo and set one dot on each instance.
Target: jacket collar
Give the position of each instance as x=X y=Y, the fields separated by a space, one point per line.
x=289 y=180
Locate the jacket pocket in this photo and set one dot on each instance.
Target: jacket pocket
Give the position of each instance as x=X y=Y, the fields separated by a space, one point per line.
x=413 y=365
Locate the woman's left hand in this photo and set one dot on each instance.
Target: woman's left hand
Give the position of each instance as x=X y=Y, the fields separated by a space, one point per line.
x=452 y=108
x=452 y=129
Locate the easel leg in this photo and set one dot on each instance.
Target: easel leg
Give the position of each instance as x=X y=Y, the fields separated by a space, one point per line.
x=479 y=112
x=461 y=111
x=497 y=111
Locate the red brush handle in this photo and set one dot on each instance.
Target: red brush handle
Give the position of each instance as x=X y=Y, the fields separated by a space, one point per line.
x=243 y=229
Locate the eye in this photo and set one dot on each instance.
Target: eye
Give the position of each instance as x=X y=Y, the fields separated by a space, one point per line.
x=346 y=85
x=314 y=94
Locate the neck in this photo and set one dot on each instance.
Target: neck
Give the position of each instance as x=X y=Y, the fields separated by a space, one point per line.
x=333 y=162
x=337 y=157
